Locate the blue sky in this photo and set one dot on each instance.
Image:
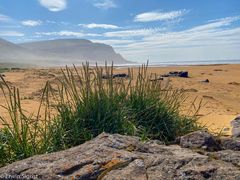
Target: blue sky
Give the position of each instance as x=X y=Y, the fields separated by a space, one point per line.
x=158 y=30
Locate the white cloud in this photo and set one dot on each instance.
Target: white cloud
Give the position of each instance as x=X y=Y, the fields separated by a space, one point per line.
x=113 y=42
x=67 y=33
x=216 y=23
x=159 y=16
x=105 y=4
x=133 y=33
x=31 y=23
x=103 y=26
x=51 y=22
x=4 y=18
x=217 y=39
x=211 y=41
x=11 y=33
x=54 y=5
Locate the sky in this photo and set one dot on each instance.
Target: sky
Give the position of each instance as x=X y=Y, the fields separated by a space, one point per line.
x=140 y=30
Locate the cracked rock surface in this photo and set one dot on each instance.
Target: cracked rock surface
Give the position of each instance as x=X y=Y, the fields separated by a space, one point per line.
x=123 y=157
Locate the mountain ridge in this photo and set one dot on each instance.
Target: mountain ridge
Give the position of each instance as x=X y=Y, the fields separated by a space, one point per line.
x=58 y=52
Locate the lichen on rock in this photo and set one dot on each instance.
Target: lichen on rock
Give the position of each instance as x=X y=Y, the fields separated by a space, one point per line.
x=122 y=157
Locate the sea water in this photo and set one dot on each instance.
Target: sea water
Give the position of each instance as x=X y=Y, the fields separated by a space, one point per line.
x=179 y=63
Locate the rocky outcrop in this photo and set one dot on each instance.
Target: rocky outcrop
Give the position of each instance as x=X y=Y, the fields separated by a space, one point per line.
x=236 y=127
x=123 y=157
x=205 y=141
x=200 y=139
x=230 y=143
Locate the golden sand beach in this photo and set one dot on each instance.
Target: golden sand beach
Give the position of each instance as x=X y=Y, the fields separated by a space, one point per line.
x=221 y=95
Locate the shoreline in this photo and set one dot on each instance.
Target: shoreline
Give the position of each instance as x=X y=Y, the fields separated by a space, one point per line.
x=127 y=65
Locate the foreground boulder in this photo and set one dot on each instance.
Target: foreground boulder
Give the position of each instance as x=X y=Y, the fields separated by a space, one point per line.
x=205 y=141
x=123 y=157
x=230 y=143
x=200 y=139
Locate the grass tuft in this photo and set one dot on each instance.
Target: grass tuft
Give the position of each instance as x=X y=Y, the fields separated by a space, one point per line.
x=81 y=104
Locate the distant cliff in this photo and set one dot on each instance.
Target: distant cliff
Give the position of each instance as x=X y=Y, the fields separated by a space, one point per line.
x=58 y=52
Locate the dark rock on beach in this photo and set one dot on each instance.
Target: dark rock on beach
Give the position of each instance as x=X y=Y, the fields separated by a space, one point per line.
x=123 y=157
x=234 y=83
x=205 y=81
x=105 y=77
x=121 y=75
x=183 y=74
